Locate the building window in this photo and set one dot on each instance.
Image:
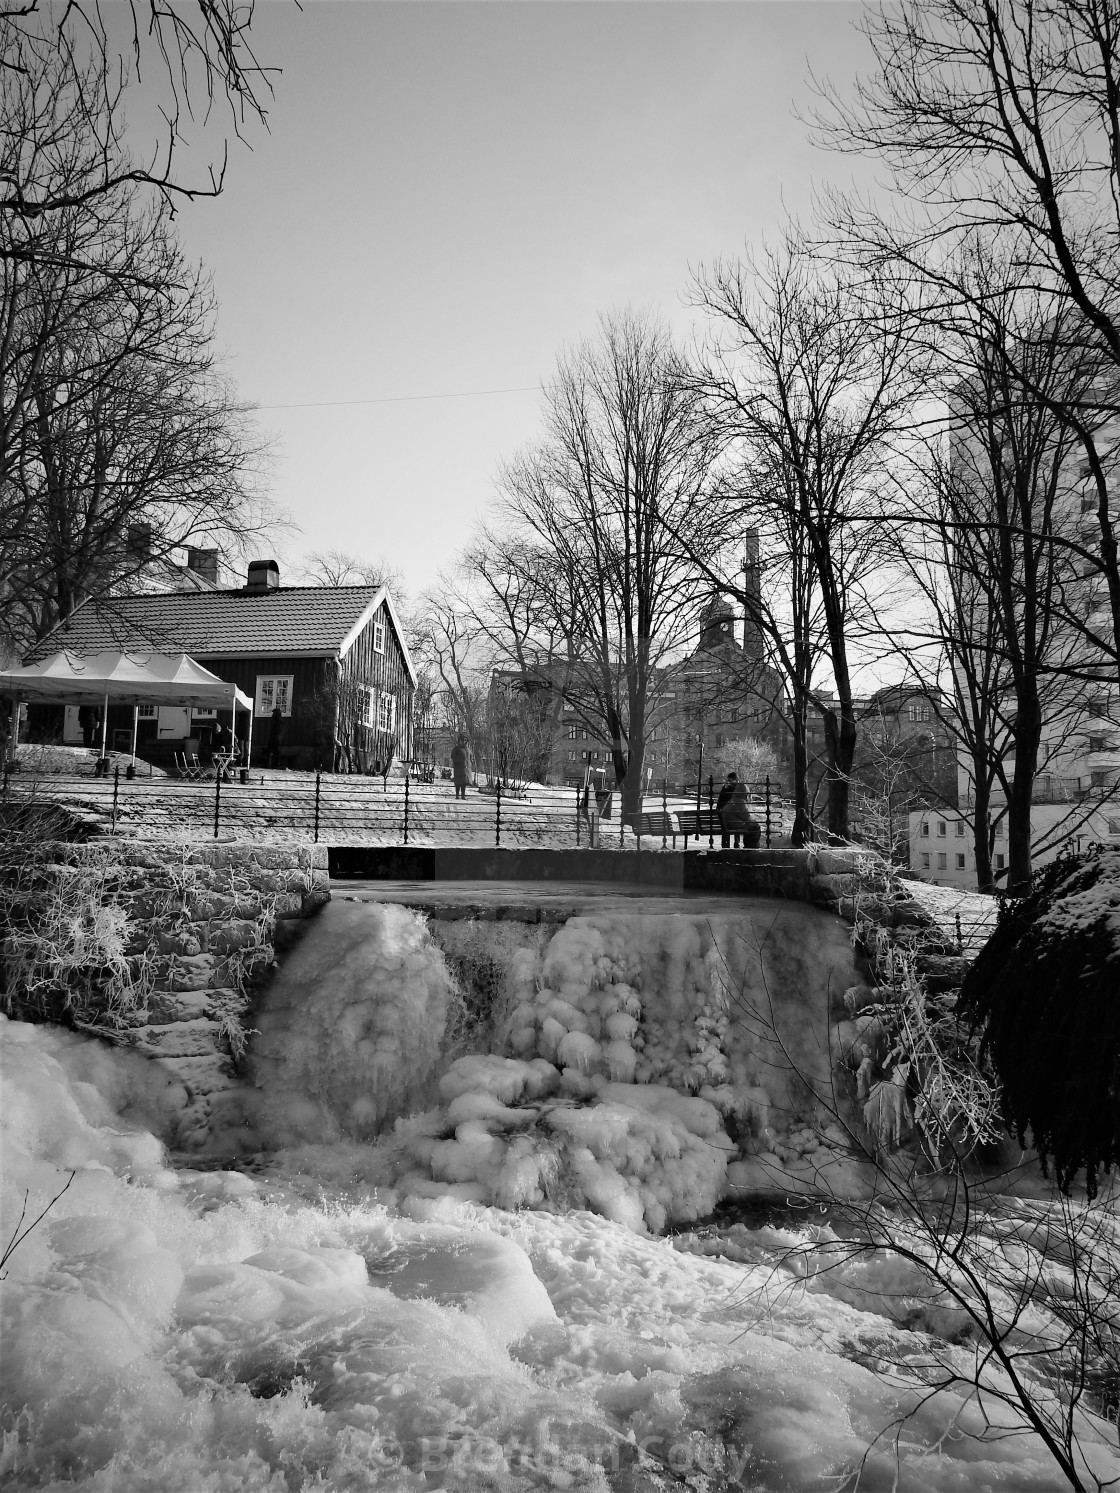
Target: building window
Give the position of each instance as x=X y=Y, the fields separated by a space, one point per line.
x=365 y=704
x=941 y=829
x=959 y=830
x=924 y=831
x=1099 y=708
x=960 y=862
x=1114 y=826
x=379 y=637
x=1101 y=779
x=999 y=830
x=1000 y=862
x=1098 y=744
x=941 y=861
x=386 y=712
x=273 y=691
x=925 y=861
x=146 y=712
x=573 y=733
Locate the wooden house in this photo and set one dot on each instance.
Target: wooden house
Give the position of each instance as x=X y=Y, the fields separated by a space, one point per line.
x=332 y=660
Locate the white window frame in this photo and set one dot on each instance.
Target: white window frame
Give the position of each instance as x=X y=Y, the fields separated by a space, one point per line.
x=273 y=689
x=365 y=704
x=386 y=713
x=147 y=712
x=379 y=637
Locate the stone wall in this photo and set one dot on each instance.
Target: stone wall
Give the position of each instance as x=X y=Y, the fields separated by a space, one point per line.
x=204 y=926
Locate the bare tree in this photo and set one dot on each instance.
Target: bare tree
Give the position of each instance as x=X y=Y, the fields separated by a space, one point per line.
x=133 y=444
x=812 y=375
x=613 y=487
x=187 y=57
x=340 y=568
x=1001 y=118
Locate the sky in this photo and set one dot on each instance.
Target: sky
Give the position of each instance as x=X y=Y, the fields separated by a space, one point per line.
x=451 y=193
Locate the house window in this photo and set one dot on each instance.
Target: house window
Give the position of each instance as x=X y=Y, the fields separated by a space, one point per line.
x=941 y=861
x=273 y=690
x=1000 y=862
x=960 y=829
x=925 y=829
x=1101 y=779
x=1099 y=708
x=573 y=733
x=379 y=637
x=1114 y=826
x=365 y=704
x=960 y=862
x=941 y=829
x=386 y=712
x=146 y=712
x=925 y=861
x=1098 y=744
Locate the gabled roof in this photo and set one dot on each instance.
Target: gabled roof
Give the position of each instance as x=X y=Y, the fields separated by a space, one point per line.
x=297 y=621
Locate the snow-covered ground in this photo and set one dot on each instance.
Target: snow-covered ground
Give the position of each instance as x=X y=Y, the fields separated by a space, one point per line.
x=478 y=1300
x=971 y=913
x=207 y=1331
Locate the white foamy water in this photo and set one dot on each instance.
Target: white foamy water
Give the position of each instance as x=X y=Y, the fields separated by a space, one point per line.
x=302 y=1328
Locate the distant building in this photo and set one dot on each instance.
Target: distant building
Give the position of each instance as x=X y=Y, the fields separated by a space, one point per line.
x=942 y=851
x=332 y=660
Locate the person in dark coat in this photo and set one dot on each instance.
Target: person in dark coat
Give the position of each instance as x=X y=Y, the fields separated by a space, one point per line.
x=737 y=818
x=721 y=804
x=275 y=738
x=460 y=767
x=89 y=718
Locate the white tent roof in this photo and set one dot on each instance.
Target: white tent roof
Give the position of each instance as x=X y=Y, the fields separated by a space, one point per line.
x=124 y=678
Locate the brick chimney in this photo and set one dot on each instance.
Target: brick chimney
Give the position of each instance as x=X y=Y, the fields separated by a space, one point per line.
x=752 y=590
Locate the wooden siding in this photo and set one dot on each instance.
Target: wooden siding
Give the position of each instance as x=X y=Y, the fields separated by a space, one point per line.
x=384 y=673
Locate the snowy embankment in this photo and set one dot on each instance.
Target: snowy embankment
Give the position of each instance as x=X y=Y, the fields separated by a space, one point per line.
x=204 y=1332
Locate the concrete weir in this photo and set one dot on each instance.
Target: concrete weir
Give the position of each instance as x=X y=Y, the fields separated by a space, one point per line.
x=820 y=877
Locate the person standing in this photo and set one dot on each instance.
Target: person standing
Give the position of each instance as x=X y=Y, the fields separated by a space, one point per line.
x=721 y=805
x=460 y=767
x=275 y=738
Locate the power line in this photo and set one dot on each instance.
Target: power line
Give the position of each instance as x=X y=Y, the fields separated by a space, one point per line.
x=325 y=404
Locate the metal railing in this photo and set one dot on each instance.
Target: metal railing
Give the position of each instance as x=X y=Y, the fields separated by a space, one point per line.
x=351 y=810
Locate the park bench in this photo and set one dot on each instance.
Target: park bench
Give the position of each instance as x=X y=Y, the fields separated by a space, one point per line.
x=656 y=823
x=701 y=822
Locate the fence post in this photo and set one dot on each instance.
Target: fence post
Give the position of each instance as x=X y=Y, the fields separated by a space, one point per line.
x=116 y=792
x=217 y=800
x=960 y=940
x=318 y=783
x=768 y=811
x=578 y=801
x=498 y=812
x=711 y=809
x=406 y=808
x=664 y=812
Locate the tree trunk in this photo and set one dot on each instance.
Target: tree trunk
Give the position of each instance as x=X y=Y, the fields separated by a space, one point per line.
x=981 y=843
x=802 y=823
x=840 y=743
x=1027 y=734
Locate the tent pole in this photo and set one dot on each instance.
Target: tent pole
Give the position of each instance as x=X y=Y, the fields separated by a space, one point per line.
x=135 y=723
x=105 y=728
x=249 y=739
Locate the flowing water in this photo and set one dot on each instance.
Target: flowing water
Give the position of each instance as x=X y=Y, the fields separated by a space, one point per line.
x=453 y=1229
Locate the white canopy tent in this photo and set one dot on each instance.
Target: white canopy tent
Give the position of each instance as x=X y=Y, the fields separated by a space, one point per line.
x=134 y=679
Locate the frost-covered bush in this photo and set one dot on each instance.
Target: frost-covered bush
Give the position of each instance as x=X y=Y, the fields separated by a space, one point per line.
x=1044 y=994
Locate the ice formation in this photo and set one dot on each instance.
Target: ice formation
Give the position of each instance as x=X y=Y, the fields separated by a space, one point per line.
x=633 y=1060
x=210 y=1331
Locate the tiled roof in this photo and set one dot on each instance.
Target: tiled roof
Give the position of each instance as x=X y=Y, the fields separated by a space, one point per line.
x=213 y=624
